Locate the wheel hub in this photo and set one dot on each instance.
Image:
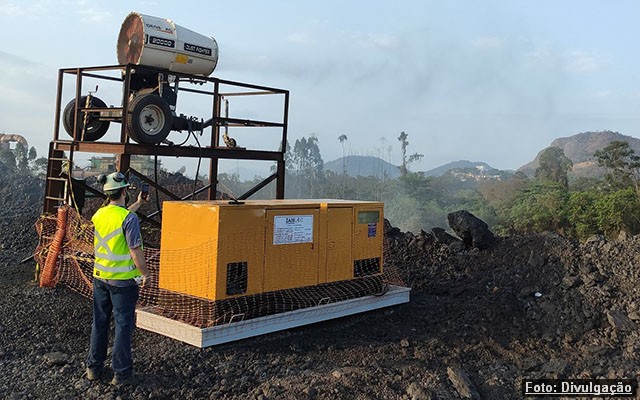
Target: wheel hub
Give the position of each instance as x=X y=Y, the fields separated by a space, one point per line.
x=151 y=119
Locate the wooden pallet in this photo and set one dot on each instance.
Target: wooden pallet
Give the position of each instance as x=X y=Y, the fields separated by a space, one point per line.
x=239 y=329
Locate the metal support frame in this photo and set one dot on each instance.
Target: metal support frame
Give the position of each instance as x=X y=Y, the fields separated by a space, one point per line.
x=124 y=149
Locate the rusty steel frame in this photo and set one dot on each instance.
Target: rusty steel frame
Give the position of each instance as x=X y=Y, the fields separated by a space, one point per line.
x=124 y=149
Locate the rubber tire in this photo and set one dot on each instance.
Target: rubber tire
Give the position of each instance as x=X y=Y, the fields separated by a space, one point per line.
x=95 y=129
x=149 y=119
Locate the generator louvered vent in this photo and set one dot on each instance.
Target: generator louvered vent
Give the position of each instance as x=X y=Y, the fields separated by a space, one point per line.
x=237 y=278
x=131 y=40
x=366 y=267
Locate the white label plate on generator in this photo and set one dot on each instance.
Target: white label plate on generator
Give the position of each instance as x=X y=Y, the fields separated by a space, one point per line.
x=289 y=229
x=205 y=337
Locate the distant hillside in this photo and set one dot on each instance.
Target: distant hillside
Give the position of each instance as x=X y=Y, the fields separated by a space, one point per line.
x=460 y=165
x=363 y=166
x=580 y=148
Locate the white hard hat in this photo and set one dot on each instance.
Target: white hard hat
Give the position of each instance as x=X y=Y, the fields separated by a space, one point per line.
x=113 y=181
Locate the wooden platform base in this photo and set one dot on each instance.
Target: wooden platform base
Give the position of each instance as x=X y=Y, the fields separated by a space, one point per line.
x=238 y=329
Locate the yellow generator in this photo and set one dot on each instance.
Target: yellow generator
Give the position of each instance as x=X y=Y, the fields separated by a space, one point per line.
x=218 y=250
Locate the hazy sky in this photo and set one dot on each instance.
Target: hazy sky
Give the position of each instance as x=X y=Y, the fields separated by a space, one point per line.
x=481 y=80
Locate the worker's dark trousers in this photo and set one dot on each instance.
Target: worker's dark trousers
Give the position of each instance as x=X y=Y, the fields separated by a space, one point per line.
x=122 y=301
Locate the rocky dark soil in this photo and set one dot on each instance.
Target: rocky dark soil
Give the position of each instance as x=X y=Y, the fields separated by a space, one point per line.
x=479 y=322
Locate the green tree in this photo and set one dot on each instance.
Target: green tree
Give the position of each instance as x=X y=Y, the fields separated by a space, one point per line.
x=582 y=213
x=554 y=166
x=623 y=165
x=406 y=160
x=343 y=138
x=288 y=158
x=540 y=207
x=308 y=166
x=618 y=211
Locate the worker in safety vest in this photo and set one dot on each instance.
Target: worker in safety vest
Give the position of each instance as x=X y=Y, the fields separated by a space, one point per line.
x=119 y=267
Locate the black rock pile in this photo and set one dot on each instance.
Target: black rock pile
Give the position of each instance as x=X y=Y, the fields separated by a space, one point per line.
x=574 y=305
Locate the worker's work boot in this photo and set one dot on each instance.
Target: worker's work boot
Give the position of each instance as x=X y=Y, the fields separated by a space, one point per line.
x=122 y=380
x=92 y=374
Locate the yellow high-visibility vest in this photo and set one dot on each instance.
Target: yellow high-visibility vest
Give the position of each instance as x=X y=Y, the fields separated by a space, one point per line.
x=112 y=257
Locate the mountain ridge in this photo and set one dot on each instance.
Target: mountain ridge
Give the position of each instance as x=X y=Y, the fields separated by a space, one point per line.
x=580 y=148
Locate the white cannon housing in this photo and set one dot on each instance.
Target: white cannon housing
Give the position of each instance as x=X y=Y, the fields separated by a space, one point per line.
x=159 y=42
